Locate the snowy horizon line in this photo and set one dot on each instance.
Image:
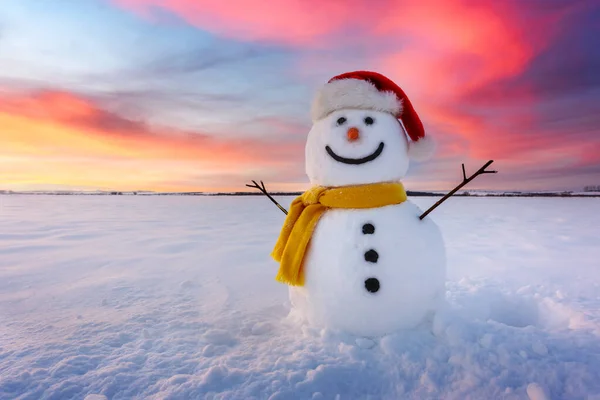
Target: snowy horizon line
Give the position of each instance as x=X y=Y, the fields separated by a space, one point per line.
x=291 y=192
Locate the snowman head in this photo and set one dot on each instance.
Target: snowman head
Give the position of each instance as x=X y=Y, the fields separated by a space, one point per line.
x=365 y=130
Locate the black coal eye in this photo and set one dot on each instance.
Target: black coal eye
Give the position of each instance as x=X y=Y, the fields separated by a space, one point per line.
x=341 y=121
x=369 y=121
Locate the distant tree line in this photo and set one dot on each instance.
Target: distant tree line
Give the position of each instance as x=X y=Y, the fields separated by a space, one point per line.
x=592 y=188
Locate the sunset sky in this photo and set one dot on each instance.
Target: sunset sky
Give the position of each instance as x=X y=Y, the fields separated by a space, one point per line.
x=186 y=95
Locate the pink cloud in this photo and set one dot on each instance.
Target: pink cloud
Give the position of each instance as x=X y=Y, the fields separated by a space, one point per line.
x=298 y=22
x=444 y=49
x=450 y=56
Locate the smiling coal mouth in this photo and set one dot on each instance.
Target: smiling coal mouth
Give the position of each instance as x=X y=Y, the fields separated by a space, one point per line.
x=355 y=161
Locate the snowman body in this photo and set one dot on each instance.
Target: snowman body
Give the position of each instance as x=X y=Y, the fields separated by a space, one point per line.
x=368 y=272
x=372 y=272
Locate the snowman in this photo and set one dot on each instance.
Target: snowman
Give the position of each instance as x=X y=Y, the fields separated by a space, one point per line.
x=356 y=255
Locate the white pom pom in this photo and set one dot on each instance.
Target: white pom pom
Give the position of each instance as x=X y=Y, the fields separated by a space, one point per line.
x=422 y=149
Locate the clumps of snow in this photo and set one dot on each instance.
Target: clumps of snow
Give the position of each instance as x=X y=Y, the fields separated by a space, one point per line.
x=219 y=337
x=95 y=397
x=365 y=343
x=523 y=354
x=211 y=350
x=495 y=304
x=186 y=284
x=486 y=340
x=539 y=347
x=536 y=392
x=261 y=328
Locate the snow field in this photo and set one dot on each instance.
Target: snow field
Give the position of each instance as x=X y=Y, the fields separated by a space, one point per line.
x=175 y=298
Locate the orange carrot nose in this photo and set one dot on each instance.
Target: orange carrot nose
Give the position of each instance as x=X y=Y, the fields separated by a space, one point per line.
x=353 y=134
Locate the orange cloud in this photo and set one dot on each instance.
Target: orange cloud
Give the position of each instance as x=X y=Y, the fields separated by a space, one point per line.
x=60 y=138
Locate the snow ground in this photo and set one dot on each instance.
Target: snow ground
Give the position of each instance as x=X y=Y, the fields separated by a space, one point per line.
x=174 y=298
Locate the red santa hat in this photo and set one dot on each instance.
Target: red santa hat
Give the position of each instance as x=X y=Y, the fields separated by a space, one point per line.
x=365 y=90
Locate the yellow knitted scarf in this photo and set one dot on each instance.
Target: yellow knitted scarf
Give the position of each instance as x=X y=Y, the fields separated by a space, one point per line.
x=305 y=212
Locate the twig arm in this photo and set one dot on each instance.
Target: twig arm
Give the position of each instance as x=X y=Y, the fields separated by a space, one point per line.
x=466 y=180
x=262 y=188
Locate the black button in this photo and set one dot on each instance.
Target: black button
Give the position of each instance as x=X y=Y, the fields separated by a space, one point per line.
x=372 y=285
x=368 y=229
x=371 y=256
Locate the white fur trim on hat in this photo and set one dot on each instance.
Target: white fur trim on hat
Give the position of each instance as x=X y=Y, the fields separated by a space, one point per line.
x=353 y=94
x=422 y=149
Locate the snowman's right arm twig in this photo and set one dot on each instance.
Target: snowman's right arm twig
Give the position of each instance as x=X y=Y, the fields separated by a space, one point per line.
x=262 y=188
x=463 y=183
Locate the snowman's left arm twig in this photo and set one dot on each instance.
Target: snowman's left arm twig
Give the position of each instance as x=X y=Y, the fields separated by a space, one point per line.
x=262 y=188
x=463 y=183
